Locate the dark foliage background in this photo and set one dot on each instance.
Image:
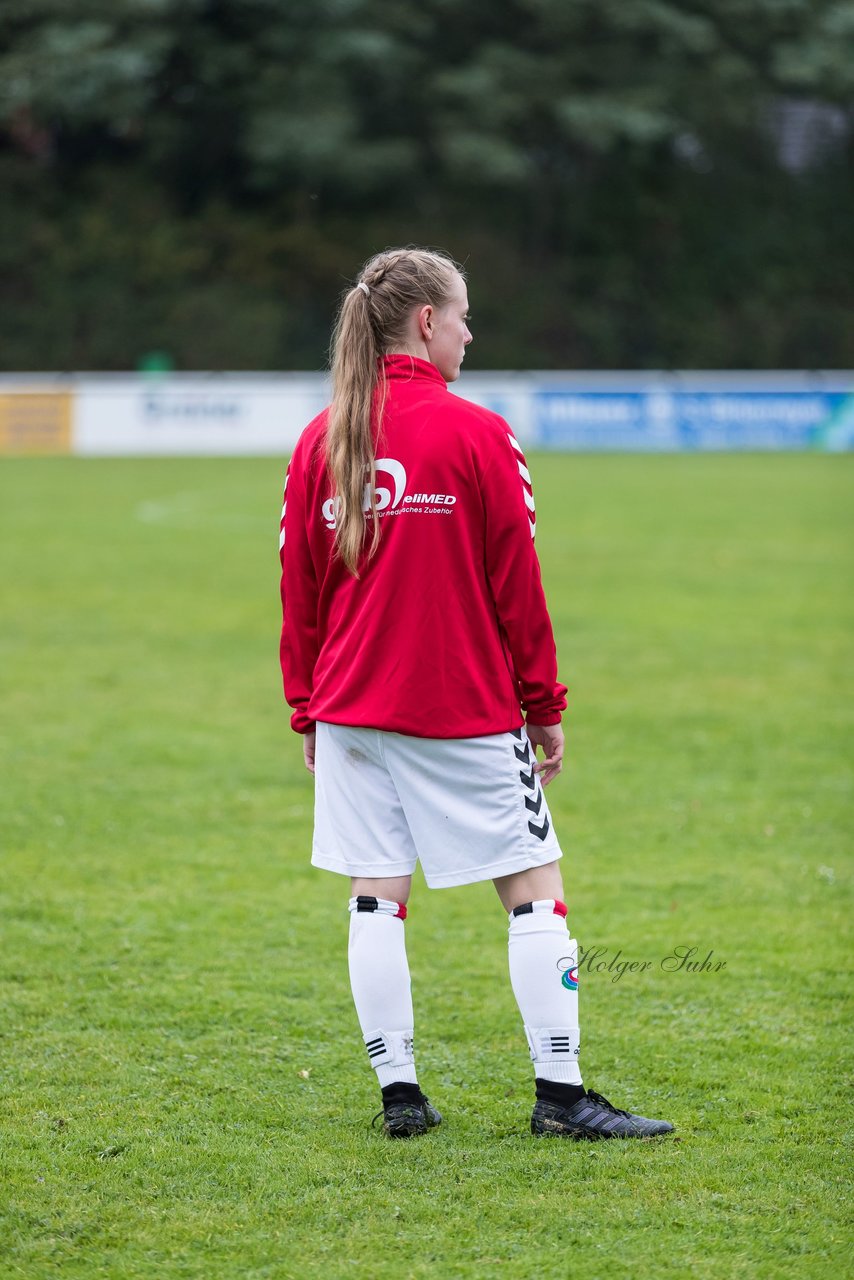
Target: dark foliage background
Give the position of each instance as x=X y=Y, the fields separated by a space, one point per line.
x=631 y=183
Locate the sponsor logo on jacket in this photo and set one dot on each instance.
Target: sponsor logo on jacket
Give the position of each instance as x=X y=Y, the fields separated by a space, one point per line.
x=392 y=497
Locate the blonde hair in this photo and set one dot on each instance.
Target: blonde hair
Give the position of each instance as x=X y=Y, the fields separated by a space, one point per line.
x=371 y=320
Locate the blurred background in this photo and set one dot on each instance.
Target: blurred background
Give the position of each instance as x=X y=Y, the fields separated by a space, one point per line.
x=632 y=184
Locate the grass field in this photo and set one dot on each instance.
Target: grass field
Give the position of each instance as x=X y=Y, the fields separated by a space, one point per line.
x=184 y=1091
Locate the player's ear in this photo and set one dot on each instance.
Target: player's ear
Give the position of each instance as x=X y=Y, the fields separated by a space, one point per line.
x=425 y=322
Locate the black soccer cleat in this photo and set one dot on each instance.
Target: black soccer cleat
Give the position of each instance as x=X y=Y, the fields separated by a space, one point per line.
x=592 y=1117
x=406 y=1112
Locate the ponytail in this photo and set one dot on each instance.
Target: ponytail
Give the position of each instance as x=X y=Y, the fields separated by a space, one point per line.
x=372 y=319
x=349 y=435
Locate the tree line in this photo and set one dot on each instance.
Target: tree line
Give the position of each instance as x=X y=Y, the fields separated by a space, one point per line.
x=630 y=183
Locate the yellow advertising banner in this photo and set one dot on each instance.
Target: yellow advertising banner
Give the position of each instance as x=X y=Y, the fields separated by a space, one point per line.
x=35 y=421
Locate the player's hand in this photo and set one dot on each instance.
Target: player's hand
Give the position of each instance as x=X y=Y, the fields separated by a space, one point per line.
x=309 y=743
x=550 y=738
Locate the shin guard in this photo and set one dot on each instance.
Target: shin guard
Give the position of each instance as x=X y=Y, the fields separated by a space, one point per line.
x=544 y=975
x=379 y=977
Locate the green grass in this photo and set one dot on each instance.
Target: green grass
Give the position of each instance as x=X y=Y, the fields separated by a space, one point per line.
x=184 y=1091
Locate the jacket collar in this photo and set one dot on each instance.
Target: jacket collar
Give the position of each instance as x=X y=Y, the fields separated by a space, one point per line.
x=400 y=368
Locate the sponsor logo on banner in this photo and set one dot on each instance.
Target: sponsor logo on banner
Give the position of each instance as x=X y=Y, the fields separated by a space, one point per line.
x=188 y=409
x=35 y=422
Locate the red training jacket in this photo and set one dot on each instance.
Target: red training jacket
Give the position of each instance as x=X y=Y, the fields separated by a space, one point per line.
x=446 y=633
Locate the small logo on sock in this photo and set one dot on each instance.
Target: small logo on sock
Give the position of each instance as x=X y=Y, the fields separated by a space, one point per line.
x=568 y=973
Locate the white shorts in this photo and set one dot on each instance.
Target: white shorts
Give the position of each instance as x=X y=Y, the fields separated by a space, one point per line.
x=469 y=808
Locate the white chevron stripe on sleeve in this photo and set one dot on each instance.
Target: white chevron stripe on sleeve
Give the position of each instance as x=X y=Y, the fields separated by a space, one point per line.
x=526 y=477
x=281 y=539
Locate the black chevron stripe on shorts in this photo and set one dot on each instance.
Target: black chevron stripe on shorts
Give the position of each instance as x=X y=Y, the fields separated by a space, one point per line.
x=533 y=803
x=540 y=832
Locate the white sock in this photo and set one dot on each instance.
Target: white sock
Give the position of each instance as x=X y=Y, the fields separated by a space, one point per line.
x=544 y=975
x=379 y=977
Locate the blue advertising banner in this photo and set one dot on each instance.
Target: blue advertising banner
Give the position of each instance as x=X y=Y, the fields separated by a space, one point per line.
x=665 y=420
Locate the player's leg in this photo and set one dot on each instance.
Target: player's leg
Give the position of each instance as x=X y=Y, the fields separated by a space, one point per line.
x=379 y=975
x=530 y=885
x=544 y=975
x=379 y=978
x=396 y=888
x=360 y=831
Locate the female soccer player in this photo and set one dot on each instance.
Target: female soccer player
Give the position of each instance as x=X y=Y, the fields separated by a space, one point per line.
x=418 y=656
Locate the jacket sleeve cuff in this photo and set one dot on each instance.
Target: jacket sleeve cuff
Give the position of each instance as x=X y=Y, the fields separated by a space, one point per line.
x=302 y=723
x=543 y=718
